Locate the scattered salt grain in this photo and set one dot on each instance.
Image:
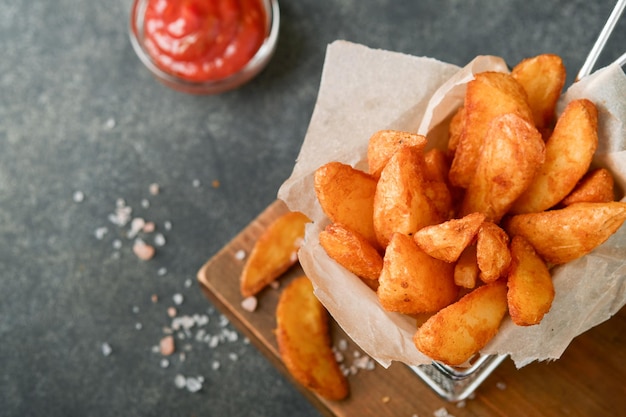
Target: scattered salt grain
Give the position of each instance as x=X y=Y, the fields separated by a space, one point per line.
x=135 y=309
x=233 y=356
x=136 y=225
x=249 y=303
x=215 y=365
x=117 y=244
x=162 y=271
x=195 y=183
x=164 y=363
x=188 y=283
x=178 y=299
x=240 y=255
x=167 y=225
x=442 y=412
x=159 y=239
x=171 y=311
x=461 y=404
x=193 y=384
x=342 y=344
x=138 y=326
x=149 y=227
x=182 y=356
x=180 y=381
x=106 y=349
x=143 y=251
x=154 y=189
x=154 y=298
x=78 y=196
x=109 y=124
x=145 y=203
x=100 y=232
x=167 y=346
x=501 y=386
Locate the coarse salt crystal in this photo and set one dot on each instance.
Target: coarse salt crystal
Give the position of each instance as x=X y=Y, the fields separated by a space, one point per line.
x=180 y=381
x=162 y=271
x=249 y=303
x=188 y=283
x=442 y=412
x=195 y=183
x=106 y=349
x=240 y=255
x=100 y=232
x=110 y=123
x=149 y=227
x=342 y=344
x=167 y=225
x=164 y=363
x=215 y=365
x=138 y=326
x=145 y=203
x=233 y=356
x=171 y=311
x=193 y=385
x=117 y=244
x=135 y=227
x=178 y=299
x=159 y=239
x=78 y=196
x=142 y=250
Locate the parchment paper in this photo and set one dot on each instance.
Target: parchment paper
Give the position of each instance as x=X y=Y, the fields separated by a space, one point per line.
x=363 y=90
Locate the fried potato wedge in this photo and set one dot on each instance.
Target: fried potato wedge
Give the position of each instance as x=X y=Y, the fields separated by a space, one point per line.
x=457 y=332
x=598 y=186
x=346 y=195
x=492 y=252
x=353 y=252
x=530 y=289
x=455 y=129
x=385 y=143
x=466 y=268
x=304 y=341
x=437 y=165
x=542 y=77
x=401 y=203
x=569 y=152
x=413 y=282
x=489 y=95
x=273 y=253
x=446 y=241
x=560 y=236
x=511 y=154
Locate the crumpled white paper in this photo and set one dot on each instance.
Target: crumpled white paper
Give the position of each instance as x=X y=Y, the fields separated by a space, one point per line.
x=364 y=90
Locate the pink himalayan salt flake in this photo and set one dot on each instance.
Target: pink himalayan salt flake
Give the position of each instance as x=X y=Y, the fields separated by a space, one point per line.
x=149 y=227
x=249 y=303
x=154 y=298
x=154 y=189
x=167 y=346
x=143 y=251
x=171 y=312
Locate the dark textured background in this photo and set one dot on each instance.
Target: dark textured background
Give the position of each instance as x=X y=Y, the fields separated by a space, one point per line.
x=78 y=112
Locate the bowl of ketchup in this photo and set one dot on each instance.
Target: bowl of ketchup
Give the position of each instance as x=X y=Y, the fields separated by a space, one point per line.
x=204 y=46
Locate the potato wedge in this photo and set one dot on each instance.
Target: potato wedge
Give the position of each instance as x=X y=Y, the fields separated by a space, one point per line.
x=346 y=195
x=560 y=236
x=597 y=186
x=273 y=253
x=413 y=282
x=489 y=95
x=569 y=152
x=531 y=291
x=304 y=342
x=400 y=203
x=457 y=332
x=542 y=77
x=385 y=143
x=446 y=241
x=511 y=154
x=353 y=252
x=455 y=129
x=466 y=268
x=492 y=252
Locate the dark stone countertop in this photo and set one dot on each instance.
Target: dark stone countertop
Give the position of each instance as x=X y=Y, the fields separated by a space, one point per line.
x=79 y=115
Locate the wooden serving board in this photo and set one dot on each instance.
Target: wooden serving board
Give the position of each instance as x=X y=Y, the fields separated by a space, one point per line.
x=589 y=380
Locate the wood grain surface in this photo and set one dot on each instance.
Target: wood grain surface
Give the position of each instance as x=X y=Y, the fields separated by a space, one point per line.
x=589 y=380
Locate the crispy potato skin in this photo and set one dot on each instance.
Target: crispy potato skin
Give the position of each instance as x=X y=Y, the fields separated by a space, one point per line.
x=569 y=152
x=511 y=154
x=466 y=268
x=489 y=95
x=401 y=203
x=492 y=252
x=384 y=143
x=413 y=282
x=457 y=332
x=542 y=77
x=353 y=252
x=446 y=241
x=560 y=236
x=530 y=289
x=597 y=186
x=346 y=195
x=304 y=343
x=273 y=253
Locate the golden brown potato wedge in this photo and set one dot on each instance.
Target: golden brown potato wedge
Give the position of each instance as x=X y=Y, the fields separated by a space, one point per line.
x=455 y=129
x=401 y=204
x=597 y=186
x=543 y=77
x=531 y=291
x=560 y=236
x=385 y=143
x=353 y=252
x=304 y=342
x=457 y=332
x=466 y=268
x=346 y=195
x=512 y=152
x=413 y=282
x=437 y=165
x=273 y=253
x=489 y=95
x=569 y=152
x=492 y=252
x=446 y=241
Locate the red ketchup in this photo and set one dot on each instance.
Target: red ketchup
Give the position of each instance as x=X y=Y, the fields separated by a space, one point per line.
x=203 y=40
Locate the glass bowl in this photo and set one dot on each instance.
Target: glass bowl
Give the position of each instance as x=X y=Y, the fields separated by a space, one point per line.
x=245 y=74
